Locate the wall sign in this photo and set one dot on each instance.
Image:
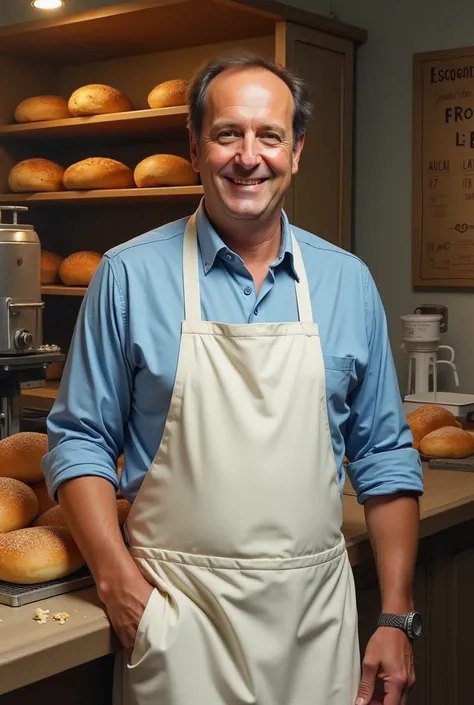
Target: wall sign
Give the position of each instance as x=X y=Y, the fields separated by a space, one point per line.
x=443 y=169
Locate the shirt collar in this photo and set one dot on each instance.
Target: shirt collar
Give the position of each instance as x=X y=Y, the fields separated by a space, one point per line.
x=212 y=246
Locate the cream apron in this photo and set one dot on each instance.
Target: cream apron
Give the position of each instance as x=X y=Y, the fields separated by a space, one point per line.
x=238 y=524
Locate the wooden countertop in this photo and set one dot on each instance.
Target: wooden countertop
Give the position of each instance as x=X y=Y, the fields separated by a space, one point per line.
x=30 y=651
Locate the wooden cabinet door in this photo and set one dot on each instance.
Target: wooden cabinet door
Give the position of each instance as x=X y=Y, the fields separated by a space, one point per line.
x=320 y=197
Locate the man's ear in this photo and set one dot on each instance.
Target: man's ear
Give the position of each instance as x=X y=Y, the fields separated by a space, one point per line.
x=297 y=154
x=194 y=151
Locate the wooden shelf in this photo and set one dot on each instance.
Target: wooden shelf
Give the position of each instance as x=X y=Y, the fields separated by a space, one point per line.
x=134 y=122
x=40 y=398
x=61 y=290
x=120 y=195
x=144 y=26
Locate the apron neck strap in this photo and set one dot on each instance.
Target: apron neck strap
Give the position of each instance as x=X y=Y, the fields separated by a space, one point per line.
x=191 y=268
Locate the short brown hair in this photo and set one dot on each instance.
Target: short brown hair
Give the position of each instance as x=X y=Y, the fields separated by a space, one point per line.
x=197 y=89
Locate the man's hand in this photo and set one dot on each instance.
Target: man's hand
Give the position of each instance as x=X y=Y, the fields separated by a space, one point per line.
x=125 y=604
x=389 y=656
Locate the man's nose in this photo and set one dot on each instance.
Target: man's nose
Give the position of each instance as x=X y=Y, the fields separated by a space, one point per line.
x=248 y=154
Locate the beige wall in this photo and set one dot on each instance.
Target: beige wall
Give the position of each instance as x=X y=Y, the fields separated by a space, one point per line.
x=382 y=230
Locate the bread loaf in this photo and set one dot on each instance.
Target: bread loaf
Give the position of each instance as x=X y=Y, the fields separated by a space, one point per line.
x=18 y=504
x=97 y=172
x=164 y=170
x=33 y=175
x=42 y=107
x=55 y=515
x=98 y=99
x=447 y=442
x=44 y=500
x=21 y=455
x=50 y=262
x=79 y=268
x=168 y=93
x=120 y=460
x=428 y=418
x=38 y=554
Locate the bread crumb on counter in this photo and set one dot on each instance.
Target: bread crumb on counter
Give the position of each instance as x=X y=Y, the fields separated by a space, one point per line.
x=61 y=617
x=41 y=616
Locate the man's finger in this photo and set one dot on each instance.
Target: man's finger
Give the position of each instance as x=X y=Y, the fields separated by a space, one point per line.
x=395 y=691
x=367 y=683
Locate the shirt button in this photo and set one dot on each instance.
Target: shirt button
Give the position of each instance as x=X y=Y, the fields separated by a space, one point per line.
x=247 y=290
x=256 y=312
x=229 y=257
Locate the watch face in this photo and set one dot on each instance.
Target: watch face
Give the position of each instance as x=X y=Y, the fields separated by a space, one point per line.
x=416 y=625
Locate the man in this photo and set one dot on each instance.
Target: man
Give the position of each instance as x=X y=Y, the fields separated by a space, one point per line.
x=236 y=360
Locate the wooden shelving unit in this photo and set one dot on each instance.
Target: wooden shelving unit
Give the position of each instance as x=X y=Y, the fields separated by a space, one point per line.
x=122 y=196
x=61 y=290
x=134 y=47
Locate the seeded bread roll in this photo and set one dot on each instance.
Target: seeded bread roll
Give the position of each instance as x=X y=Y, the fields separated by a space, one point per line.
x=38 y=554
x=168 y=93
x=35 y=175
x=164 y=170
x=18 y=504
x=97 y=172
x=50 y=263
x=21 y=455
x=428 y=418
x=79 y=268
x=447 y=442
x=98 y=99
x=42 y=107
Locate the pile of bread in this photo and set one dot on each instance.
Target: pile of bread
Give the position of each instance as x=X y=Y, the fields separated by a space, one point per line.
x=36 y=174
x=437 y=433
x=36 y=545
x=77 y=269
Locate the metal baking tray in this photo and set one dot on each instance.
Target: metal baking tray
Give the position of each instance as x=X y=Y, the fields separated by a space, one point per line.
x=457 y=464
x=15 y=595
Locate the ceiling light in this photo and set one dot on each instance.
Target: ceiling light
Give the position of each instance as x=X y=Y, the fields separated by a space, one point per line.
x=47 y=4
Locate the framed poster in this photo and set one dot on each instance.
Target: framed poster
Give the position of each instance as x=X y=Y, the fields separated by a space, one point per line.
x=443 y=169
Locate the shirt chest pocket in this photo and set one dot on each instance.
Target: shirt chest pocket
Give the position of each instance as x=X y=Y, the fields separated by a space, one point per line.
x=338 y=372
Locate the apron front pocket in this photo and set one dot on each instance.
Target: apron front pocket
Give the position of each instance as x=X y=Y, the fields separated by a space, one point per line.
x=149 y=614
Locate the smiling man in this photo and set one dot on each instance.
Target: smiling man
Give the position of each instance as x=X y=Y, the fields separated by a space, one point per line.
x=236 y=360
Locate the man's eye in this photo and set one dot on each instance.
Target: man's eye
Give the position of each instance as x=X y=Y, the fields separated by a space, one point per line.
x=227 y=134
x=271 y=136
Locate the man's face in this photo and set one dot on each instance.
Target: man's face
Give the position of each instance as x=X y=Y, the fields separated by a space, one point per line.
x=245 y=155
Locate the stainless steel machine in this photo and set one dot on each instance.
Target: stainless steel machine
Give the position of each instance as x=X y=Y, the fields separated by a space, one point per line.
x=23 y=357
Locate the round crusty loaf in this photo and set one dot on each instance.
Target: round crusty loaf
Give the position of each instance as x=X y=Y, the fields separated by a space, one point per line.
x=447 y=442
x=168 y=93
x=164 y=170
x=21 y=455
x=97 y=172
x=50 y=262
x=38 y=554
x=44 y=500
x=36 y=174
x=42 y=107
x=428 y=418
x=18 y=504
x=55 y=515
x=79 y=268
x=98 y=99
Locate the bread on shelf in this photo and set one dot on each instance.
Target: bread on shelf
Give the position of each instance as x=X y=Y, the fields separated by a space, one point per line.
x=97 y=173
x=50 y=263
x=78 y=268
x=168 y=94
x=41 y=108
x=35 y=174
x=98 y=99
x=164 y=170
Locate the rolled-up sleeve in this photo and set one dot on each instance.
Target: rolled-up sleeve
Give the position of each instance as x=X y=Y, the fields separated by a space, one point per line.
x=85 y=425
x=378 y=438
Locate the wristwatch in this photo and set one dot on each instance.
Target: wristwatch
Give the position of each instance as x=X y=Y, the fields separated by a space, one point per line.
x=410 y=623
